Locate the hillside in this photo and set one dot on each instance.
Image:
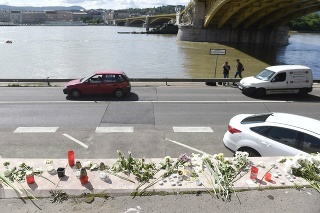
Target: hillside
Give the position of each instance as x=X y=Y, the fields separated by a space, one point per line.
x=29 y=8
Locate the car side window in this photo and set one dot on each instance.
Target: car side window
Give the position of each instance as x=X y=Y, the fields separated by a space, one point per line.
x=120 y=78
x=279 y=134
x=109 y=78
x=95 y=79
x=310 y=144
x=280 y=77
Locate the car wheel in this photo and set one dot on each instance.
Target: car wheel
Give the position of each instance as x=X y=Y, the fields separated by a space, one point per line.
x=75 y=93
x=118 y=93
x=261 y=92
x=251 y=152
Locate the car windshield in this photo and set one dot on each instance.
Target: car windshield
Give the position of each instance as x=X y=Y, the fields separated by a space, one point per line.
x=265 y=75
x=256 y=118
x=85 y=78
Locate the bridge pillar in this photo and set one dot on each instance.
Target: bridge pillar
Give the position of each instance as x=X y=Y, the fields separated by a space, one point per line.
x=127 y=24
x=191 y=29
x=147 y=23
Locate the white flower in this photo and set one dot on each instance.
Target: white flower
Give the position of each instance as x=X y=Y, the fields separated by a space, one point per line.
x=287 y=167
x=315 y=159
x=260 y=163
x=167 y=158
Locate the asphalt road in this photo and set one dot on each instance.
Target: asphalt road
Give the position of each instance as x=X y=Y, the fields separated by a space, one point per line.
x=153 y=115
x=157 y=120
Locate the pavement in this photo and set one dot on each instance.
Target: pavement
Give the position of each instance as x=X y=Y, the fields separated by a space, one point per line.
x=113 y=194
x=115 y=186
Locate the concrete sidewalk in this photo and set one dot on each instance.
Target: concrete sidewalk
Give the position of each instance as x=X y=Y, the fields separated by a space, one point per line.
x=115 y=186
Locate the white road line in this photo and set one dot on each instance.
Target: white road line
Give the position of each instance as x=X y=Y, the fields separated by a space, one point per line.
x=35 y=129
x=113 y=129
x=186 y=146
x=75 y=140
x=192 y=129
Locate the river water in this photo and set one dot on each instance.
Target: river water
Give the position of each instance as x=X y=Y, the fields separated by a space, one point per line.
x=77 y=51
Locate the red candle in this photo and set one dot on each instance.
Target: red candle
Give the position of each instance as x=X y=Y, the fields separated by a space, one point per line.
x=254 y=173
x=268 y=177
x=83 y=176
x=71 y=158
x=84 y=179
x=30 y=177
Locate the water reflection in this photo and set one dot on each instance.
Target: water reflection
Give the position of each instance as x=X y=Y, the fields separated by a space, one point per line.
x=302 y=49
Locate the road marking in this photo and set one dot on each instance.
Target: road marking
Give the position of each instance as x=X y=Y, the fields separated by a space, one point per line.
x=113 y=129
x=186 y=146
x=75 y=140
x=192 y=129
x=35 y=129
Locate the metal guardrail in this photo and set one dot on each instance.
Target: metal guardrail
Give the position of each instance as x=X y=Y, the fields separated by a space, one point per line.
x=205 y=80
x=131 y=79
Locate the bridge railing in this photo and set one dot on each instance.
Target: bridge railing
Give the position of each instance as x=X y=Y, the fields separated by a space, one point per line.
x=166 y=80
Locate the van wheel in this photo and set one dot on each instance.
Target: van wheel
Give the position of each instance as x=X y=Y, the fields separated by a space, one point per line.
x=75 y=93
x=251 y=152
x=303 y=92
x=118 y=93
x=261 y=92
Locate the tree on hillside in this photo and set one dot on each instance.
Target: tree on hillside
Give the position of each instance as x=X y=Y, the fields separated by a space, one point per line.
x=309 y=22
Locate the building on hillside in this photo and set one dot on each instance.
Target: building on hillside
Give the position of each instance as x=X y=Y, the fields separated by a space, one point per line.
x=59 y=16
x=118 y=14
x=78 y=15
x=4 y=16
x=33 y=17
x=16 y=17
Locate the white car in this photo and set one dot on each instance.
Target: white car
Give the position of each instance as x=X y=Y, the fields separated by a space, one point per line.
x=273 y=134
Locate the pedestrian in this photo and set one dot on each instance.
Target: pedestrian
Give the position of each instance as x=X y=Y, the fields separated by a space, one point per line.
x=240 y=68
x=226 y=69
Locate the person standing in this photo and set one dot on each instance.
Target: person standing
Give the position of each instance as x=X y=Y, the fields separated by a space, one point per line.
x=240 y=68
x=226 y=69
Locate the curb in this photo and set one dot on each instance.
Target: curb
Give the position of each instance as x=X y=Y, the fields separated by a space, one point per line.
x=116 y=186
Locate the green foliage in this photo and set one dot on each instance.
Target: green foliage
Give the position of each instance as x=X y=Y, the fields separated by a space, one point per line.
x=169 y=9
x=139 y=168
x=309 y=22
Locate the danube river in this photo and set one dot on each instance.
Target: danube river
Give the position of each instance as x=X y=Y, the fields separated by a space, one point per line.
x=77 y=51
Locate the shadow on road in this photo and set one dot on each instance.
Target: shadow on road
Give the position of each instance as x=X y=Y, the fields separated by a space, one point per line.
x=288 y=97
x=128 y=97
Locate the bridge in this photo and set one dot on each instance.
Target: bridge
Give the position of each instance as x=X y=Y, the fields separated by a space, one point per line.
x=146 y=21
x=235 y=21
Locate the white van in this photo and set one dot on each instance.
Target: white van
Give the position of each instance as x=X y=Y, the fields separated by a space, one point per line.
x=279 y=79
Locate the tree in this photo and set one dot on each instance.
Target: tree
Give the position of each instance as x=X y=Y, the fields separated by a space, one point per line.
x=309 y=22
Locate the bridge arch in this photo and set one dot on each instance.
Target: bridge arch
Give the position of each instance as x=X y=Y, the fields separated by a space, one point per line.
x=256 y=21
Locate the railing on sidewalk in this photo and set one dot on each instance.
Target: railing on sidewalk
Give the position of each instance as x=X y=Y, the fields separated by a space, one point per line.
x=208 y=81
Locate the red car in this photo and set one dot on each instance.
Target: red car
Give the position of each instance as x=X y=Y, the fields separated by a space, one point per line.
x=108 y=82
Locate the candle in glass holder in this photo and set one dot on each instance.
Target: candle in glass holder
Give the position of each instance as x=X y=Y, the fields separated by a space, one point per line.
x=30 y=177
x=268 y=177
x=71 y=158
x=254 y=173
x=83 y=176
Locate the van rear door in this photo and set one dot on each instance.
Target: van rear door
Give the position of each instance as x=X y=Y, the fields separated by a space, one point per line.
x=300 y=79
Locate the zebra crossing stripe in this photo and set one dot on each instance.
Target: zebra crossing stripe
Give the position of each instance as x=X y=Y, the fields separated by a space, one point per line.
x=76 y=140
x=35 y=129
x=113 y=129
x=192 y=129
